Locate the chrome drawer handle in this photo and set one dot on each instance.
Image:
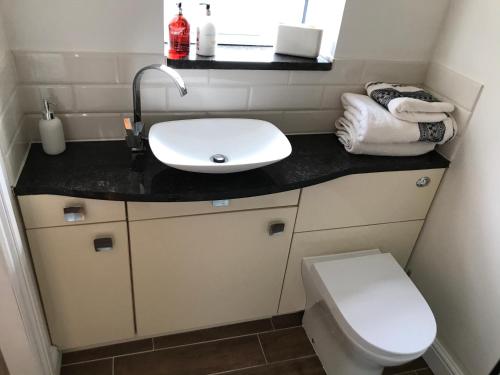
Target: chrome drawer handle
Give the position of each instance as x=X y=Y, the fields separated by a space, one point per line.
x=103 y=244
x=74 y=213
x=276 y=228
x=423 y=181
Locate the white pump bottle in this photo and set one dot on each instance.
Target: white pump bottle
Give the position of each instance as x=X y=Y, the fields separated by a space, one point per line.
x=51 y=131
x=206 y=34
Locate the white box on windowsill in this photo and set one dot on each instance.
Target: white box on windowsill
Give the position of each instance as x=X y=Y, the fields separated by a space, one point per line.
x=299 y=40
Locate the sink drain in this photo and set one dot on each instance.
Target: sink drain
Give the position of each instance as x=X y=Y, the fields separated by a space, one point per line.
x=218 y=158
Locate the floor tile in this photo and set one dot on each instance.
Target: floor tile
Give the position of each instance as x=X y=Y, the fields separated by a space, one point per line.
x=206 y=358
x=100 y=367
x=288 y=320
x=426 y=371
x=286 y=344
x=303 y=366
x=215 y=333
x=107 y=351
x=417 y=364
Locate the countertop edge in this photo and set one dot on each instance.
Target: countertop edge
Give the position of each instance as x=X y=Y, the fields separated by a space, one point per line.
x=117 y=196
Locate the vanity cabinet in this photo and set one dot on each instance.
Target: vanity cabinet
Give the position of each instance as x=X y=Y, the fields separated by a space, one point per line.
x=81 y=256
x=155 y=210
x=370 y=198
x=42 y=211
x=206 y=270
x=358 y=212
x=208 y=263
x=85 y=286
x=395 y=238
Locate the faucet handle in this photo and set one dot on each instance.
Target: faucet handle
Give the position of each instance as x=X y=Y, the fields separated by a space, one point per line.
x=127 y=124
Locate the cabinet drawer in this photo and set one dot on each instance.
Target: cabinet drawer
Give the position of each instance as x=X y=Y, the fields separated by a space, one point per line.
x=40 y=211
x=86 y=289
x=154 y=210
x=198 y=271
x=370 y=198
x=396 y=238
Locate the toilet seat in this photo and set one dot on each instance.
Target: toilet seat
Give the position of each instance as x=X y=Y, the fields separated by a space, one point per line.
x=377 y=306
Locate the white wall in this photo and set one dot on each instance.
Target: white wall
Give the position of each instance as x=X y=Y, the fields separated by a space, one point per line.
x=390 y=29
x=457 y=258
x=85 y=25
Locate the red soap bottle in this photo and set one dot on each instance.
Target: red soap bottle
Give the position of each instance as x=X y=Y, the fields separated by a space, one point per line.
x=178 y=30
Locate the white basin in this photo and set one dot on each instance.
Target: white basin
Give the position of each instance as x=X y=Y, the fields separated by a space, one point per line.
x=218 y=145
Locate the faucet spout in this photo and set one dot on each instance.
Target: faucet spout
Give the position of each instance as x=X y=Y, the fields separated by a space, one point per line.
x=136 y=86
x=135 y=130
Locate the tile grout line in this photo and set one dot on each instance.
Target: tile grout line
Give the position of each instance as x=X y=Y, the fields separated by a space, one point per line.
x=222 y=339
x=262 y=349
x=264 y=365
x=236 y=369
x=154 y=348
x=108 y=357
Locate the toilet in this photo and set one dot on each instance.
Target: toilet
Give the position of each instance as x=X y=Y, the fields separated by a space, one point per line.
x=363 y=313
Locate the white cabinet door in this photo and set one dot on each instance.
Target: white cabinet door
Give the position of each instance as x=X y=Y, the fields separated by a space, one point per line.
x=206 y=270
x=85 y=286
x=370 y=198
x=396 y=238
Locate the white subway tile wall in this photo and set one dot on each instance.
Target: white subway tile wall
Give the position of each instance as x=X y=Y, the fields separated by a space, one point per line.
x=332 y=94
x=463 y=92
x=10 y=120
x=60 y=94
x=91 y=87
x=7 y=80
x=97 y=98
x=14 y=137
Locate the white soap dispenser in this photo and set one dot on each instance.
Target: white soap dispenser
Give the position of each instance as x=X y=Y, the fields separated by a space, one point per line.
x=206 y=34
x=51 y=131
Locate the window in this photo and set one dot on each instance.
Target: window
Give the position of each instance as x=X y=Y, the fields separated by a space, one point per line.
x=254 y=22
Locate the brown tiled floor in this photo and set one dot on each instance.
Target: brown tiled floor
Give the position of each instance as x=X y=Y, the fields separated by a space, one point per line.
x=276 y=346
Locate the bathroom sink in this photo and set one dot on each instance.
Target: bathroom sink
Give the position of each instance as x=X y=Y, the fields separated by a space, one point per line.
x=218 y=145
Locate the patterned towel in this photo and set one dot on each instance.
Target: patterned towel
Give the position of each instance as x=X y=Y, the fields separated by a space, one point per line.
x=408 y=103
x=374 y=124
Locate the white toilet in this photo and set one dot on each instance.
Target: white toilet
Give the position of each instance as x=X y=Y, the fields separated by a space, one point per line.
x=363 y=313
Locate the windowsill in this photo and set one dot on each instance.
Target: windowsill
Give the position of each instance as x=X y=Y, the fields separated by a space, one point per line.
x=247 y=58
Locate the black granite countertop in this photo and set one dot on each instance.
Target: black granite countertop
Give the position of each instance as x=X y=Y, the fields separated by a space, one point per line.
x=104 y=170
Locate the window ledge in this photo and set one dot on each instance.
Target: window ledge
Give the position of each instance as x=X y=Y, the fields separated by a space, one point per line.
x=248 y=58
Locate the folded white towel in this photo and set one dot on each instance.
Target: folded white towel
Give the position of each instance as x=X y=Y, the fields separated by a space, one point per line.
x=376 y=125
x=348 y=137
x=408 y=103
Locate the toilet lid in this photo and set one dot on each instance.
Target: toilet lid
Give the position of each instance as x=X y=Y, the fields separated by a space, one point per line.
x=376 y=304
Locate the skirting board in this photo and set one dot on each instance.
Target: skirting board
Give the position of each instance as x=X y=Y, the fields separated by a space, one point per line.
x=440 y=361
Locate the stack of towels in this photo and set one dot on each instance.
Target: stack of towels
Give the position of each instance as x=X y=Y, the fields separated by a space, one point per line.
x=394 y=120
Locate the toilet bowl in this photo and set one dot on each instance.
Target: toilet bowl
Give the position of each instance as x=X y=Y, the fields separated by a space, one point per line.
x=363 y=313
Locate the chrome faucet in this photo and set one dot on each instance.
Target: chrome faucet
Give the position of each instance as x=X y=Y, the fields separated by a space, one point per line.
x=135 y=131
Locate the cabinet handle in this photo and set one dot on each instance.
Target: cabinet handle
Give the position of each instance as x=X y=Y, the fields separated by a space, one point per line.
x=103 y=244
x=423 y=181
x=74 y=213
x=276 y=228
